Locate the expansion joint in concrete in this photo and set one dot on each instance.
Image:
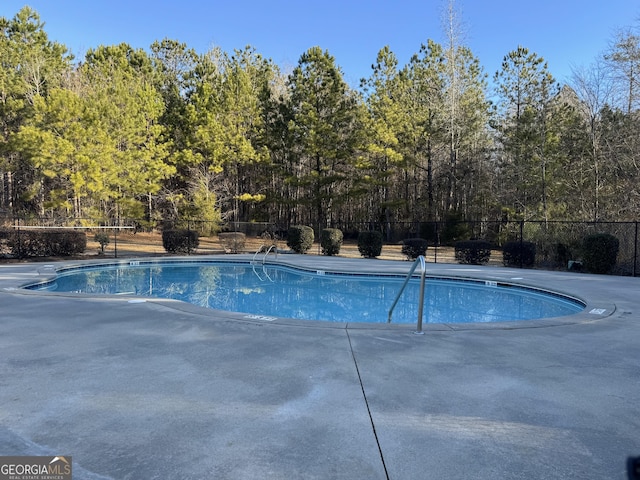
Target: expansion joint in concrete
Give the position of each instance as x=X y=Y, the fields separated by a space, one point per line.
x=366 y=402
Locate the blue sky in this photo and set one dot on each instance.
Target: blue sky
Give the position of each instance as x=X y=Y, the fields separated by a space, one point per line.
x=566 y=33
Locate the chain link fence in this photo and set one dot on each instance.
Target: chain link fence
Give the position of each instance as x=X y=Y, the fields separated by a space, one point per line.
x=557 y=243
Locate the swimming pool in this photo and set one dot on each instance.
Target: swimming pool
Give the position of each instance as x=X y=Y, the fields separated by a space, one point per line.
x=284 y=292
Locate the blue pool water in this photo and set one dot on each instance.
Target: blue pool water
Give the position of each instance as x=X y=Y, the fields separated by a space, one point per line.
x=277 y=291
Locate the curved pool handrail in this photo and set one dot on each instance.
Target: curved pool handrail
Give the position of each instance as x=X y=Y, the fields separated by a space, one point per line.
x=262 y=248
x=275 y=250
x=253 y=260
x=420 y=260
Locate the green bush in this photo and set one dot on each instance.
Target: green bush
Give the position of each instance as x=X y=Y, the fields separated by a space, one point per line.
x=331 y=241
x=516 y=254
x=5 y=237
x=102 y=238
x=300 y=238
x=370 y=244
x=414 y=247
x=46 y=243
x=599 y=252
x=180 y=240
x=473 y=252
x=232 y=242
x=563 y=254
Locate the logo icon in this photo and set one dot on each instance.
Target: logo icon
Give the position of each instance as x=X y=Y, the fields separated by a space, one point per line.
x=36 y=468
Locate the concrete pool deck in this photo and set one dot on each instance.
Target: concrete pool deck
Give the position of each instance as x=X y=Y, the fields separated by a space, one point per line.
x=160 y=389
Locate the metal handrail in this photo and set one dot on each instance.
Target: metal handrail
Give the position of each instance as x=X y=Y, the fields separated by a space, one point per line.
x=256 y=254
x=269 y=250
x=420 y=260
x=260 y=249
x=264 y=270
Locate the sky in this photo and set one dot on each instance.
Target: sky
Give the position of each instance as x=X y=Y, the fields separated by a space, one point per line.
x=568 y=34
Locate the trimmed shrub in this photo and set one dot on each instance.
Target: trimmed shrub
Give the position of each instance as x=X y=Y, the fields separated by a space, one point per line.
x=516 y=254
x=599 y=252
x=180 y=240
x=331 y=241
x=232 y=242
x=473 y=252
x=563 y=254
x=46 y=243
x=103 y=239
x=68 y=242
x=27 y=243
x=300 y=238
x=414 y=247
x=370 y=244
x=5 y=237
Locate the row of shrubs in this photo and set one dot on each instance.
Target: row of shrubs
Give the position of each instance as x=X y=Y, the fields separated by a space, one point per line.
x=42 y=243
x=599 y=251
x=67 y=242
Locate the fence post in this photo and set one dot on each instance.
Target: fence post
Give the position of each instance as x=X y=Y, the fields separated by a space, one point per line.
x=115 y=242
x=435 y=252
x=521 y=242
x=19 y=240
x=635 y=248
x=188 y=236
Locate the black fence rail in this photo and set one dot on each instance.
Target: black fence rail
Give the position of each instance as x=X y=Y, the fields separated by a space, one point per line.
x=558 y=244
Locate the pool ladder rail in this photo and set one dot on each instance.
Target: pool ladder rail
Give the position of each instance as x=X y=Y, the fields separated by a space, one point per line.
x=272 y=247
x=253 y=262
x=423 y=264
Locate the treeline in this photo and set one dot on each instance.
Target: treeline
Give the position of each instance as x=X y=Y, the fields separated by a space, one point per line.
x=169 y=133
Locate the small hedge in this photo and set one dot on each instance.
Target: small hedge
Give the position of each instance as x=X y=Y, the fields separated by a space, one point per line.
x=473 y=252
x=46 y=243
x=232 y=242
x=5 y=238
x=103 y=239
x=414 y=247
x=300 y=238
x=180 y=241
x=370 y=244
x=516 y=254
x=563 y=254
x=600 y=252
x=331 y=241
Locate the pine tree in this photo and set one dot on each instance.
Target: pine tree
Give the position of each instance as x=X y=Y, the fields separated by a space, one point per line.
x=384 y=161
x=525 y=88
x=326 y=131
